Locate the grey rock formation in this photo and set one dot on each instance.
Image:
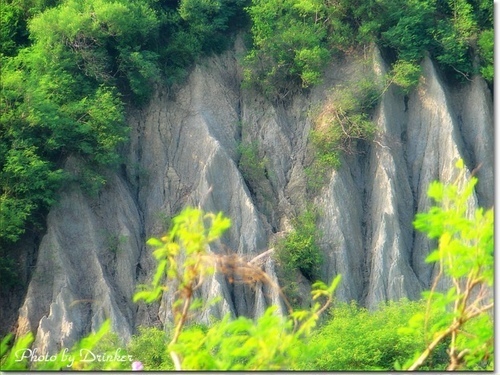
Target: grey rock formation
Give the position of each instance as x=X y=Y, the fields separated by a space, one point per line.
x=184 y=151
x=86 y=268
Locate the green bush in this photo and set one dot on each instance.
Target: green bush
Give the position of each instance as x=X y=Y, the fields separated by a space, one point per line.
x=342 y=121
x=299 y=249
x=289 y=46
x=241 y=344
x=272 y=342
x=356 y=339
x=405 y=74
x=345 y=117
x=252 y=167
x=149 y=346
x=294 y=40
x=486 y=52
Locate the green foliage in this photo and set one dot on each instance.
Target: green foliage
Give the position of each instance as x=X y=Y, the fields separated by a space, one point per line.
x=189 y=237
x=12 y=28
x=114 y=242
x=241 y=344
x=454 y=36
x=28 y=183
x=299 y=249
x=270 y=343
x=317 y=173
x=465 y=259
x=293 y=40
x=103 y=39
x=43 y=121
x=405 y=27
x=149 y=345
x=68 y=67
x=356 y=339
x=252 y=167
x=341 y=122
x=446 y=29
x=289 y=40
x=14 y=19
x=56 y=101
x=8 y=360
x=405 y=74
x=486 y=52
x=208 y=20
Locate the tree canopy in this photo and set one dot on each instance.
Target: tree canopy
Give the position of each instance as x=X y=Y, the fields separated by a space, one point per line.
x=69 y=68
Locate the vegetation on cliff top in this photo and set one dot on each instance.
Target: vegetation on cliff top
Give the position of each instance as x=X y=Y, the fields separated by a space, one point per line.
x=69 y=68
x=294 y=39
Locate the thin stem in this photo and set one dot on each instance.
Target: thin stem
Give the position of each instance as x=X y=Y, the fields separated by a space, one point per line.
x=178 y=328
x=420 y=360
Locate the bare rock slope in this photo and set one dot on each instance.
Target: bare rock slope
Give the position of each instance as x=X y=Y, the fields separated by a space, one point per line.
x=184 y=151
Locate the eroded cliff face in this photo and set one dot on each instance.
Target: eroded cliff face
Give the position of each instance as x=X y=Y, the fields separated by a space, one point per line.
x=184 y=151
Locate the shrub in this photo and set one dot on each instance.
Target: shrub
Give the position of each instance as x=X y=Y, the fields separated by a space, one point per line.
x=299 y=249
x=344 y=117
x=356 y=339
x=252 y=167
x=338 y=126
x=289 y=46
x=149 y=346
x=486 y=52
x=68 y=68
x=405 y=74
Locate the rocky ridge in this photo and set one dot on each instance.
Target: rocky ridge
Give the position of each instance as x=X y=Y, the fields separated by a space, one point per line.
x=183 y=150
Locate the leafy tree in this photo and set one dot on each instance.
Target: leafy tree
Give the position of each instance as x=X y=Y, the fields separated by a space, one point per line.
x=58 y=99
x=407 y=27
x=454 y=36
x=405 y=74
x=68 y=68
x=42 y=122
x=30 y=183
x=12 y=28
x=465 y=259
x=293 y=40
x=207 y=20
x=105 y=39
x=14 y=19
x=289 y=45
